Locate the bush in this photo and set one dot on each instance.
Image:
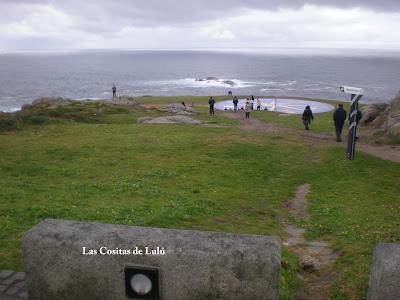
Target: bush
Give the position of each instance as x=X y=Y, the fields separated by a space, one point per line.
x=34 y=120
x=8 y=122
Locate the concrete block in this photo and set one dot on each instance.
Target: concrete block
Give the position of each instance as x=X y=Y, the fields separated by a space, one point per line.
x=195 y=265
x=384 y=281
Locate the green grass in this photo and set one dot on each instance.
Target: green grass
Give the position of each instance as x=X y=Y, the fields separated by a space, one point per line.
x=221 y=179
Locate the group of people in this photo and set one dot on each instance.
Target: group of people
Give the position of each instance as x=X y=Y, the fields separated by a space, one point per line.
x=248 y=107
x=339 y=118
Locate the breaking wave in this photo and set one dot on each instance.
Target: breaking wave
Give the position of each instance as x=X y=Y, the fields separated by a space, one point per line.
x=208 y=82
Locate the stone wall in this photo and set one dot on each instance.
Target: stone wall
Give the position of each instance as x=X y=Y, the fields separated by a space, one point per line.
x=384 y=281
x=196 y=264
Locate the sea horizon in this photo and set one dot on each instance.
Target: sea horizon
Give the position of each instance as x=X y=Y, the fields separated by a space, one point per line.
x=296 y=72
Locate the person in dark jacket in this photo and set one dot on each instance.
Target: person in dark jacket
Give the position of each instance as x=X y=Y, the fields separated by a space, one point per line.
x=358 y=118
x=307 y=117
x=235 y=104
x=211 y=102
x=114 y=91
x=339 y=117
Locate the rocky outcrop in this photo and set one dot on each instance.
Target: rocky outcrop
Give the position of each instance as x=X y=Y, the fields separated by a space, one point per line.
x=124 y=101
x=51 y=102
x=393 y=120
x=178 y=108
x=54 y=102
x=385 y=117
x=229 y=82
x=177 y=119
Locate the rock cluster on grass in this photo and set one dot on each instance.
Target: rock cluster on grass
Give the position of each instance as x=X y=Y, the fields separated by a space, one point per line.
x=50 y=102
x=178 y=108
x=385 y=117
x=177 y=119
x=54 y=102
x=124 y=101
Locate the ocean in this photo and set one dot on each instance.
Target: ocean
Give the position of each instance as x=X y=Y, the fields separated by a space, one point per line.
x=91 y=74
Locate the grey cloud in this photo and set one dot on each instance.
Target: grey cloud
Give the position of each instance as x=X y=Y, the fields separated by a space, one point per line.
x=177 y=11
x=93 y=23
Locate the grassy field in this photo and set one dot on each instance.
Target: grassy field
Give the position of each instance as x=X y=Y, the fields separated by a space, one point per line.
x=106 y=168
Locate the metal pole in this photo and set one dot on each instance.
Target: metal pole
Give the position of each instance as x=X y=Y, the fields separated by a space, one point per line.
x=351 y=146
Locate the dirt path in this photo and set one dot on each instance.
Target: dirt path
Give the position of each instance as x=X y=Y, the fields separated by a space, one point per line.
x=382 y=151
x=316 y=257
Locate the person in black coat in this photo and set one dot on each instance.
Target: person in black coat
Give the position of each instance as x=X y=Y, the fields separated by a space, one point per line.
x=307 y=117
x=358 y=118
x=114 y=91
x=235 y=104
x=339 y=117
x=211 y=102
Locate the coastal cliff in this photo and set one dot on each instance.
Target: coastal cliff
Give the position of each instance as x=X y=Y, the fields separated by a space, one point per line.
x=385 y=118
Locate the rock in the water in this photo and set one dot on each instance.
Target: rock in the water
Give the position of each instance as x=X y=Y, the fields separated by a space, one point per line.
x=178 y=119
x=229 y=82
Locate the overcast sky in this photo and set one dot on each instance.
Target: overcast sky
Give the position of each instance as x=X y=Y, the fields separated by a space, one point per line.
x=179 y=24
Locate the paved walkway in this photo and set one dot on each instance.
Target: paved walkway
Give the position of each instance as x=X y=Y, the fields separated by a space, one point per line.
x=12 y=285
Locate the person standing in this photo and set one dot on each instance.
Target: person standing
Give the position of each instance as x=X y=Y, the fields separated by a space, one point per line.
x=258 y=103
x=307 y=117
x=339 y=117
x=235 y=104
x=252 y=102
x=114 y=91
x=247 y=109
x=358 y=119
x=211 y=102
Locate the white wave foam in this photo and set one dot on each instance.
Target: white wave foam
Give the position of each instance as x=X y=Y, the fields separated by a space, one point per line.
x=270 y=89
x=280 y=84
x=10 y=109
x=204 y=83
